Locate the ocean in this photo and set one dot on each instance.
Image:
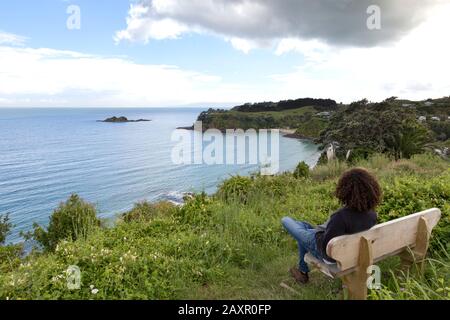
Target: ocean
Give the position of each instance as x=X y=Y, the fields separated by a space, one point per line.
x=46 y=154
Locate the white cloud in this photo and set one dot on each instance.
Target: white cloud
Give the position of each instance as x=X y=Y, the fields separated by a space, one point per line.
x=11 y=39
x=416 y=67
x=34 y=77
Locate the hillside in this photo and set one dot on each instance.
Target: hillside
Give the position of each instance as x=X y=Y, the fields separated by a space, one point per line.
x=392 y=126
x=229 y=245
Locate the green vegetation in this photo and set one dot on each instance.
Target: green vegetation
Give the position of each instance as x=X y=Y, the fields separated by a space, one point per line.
x=222 y=120
x=399 y=128
x=319 y=104
x=72 y=220
x=5 y=226
x=302 y=170
x=10 y=255
x=311 y=126
x=368 y=128
x=230 y=245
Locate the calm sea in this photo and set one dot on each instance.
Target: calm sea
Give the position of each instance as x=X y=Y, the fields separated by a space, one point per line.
x=48 y=154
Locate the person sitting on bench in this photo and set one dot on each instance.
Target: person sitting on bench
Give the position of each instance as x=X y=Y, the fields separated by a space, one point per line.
x=360 y=193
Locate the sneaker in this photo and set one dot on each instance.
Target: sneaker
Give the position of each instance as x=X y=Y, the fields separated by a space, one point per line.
x=299 y=276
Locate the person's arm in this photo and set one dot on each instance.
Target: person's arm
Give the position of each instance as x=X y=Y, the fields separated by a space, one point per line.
x=335 y=228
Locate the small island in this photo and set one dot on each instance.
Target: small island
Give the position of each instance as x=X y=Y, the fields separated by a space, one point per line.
x=122 y=120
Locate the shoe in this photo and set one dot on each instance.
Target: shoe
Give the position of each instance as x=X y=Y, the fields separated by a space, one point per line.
x=299 y=276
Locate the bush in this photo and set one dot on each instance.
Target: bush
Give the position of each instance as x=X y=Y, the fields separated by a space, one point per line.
x=410 y=194
x=9 y=255
x=5 y=226
x=235 y=188
x=72 y=220
x=147 y=211
x=302 y=170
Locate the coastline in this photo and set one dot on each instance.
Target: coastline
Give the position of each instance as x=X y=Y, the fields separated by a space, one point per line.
x=287 y=133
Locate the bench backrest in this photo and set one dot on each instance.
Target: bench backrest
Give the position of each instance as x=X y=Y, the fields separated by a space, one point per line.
x=387 y=239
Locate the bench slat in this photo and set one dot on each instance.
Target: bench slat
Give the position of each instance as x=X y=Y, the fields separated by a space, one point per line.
x=386 y=238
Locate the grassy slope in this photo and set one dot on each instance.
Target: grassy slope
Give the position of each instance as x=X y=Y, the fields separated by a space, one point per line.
x=227 y=249
x=257 y=120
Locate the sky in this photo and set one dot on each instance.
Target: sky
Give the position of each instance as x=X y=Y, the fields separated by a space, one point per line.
x=219 y=53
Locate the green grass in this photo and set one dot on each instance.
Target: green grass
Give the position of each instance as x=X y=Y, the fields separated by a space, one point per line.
x=257 y=120
x=312 y=128
x=231 y=245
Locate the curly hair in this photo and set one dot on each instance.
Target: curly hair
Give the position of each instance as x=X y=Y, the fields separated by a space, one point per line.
x=359 y=190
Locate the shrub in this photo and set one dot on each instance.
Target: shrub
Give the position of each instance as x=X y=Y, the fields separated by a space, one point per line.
x=410 y=194
x=5 y=226
x=146 y=211
x=9 y=255
x=72 y=220
x=302 y=170
x=196 y=211
x=235 y=188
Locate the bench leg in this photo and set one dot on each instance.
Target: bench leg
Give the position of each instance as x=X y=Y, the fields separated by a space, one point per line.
x=356 y=284
x=418 y=255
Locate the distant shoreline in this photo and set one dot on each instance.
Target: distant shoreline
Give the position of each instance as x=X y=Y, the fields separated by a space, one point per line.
x=287 y=133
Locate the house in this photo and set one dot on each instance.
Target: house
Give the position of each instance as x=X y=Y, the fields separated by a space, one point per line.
x=325 y=114
x=436 y=119
x=429 y=104
x=422 y=118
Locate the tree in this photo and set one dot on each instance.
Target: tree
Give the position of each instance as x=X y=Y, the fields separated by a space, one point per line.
x=376 y=128
x=302 y=170
x=5 y=227
x=72 y=220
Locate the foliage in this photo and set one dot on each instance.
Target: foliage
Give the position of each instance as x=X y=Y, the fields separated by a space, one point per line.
x=373 y=128
x=5 y=226
x=222 y=120
x=10 y=254
x=231 y=245
x=236 y=188
x=433 y=285
x=311 y=126
x=322 y=104
x=301 y=171
x=147 y=211
x=72 y=220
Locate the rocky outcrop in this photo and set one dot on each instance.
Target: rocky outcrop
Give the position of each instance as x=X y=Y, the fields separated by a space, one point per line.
x=122 y=120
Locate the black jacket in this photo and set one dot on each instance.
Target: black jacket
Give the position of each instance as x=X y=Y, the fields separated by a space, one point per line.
x=342 y=222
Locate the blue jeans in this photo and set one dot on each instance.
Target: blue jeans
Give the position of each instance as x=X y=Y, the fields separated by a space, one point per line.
x=305 y=234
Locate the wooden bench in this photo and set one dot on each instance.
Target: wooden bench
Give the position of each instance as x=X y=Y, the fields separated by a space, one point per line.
x=408 y=237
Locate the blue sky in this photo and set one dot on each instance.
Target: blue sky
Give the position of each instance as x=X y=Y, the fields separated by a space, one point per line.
x=173 y=52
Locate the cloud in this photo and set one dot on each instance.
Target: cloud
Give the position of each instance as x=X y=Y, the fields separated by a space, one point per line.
x=259 y=22
x=48 y=77
x=11 y=39
x=416 y=67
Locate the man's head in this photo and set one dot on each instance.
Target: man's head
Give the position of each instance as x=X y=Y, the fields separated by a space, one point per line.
x=359 y=190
